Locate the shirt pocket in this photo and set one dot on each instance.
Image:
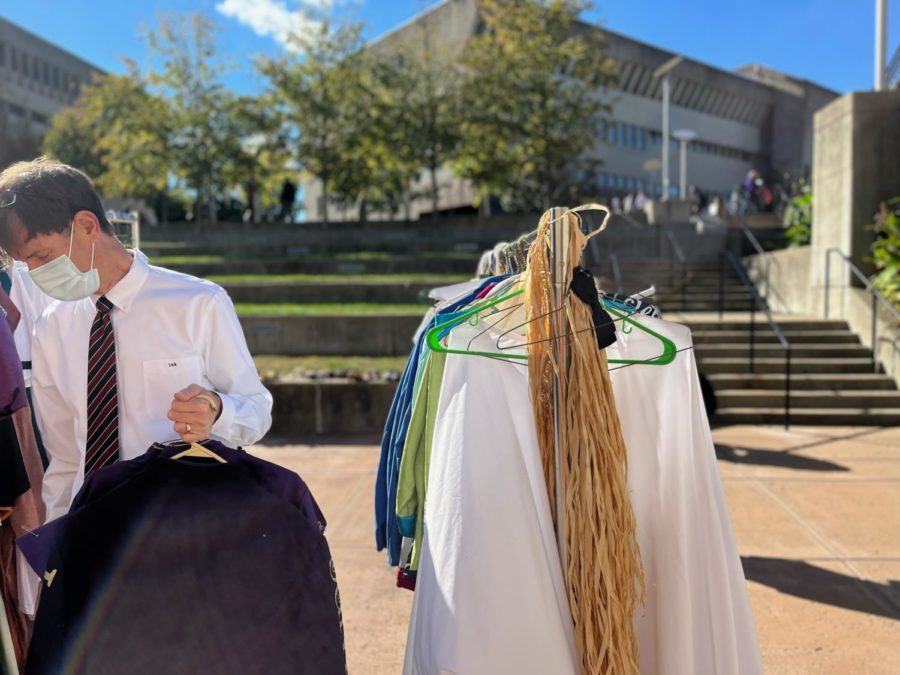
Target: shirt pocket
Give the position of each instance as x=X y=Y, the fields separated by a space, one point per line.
x=164 y=377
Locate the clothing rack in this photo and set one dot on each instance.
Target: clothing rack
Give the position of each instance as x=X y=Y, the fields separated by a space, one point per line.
x=131 y=221
x=560 y=265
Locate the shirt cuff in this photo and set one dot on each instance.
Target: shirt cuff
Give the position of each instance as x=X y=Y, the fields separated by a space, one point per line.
x=222 y=425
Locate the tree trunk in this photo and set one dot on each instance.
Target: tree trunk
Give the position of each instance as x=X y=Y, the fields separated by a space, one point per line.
x=325 y=199
x=211 y=205
x=363 y=208
x=434 y=192
x=484 y=209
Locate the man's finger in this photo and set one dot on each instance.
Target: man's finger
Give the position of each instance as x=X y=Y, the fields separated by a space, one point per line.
x=193 y=405
x=188 y=417
x=189 y=392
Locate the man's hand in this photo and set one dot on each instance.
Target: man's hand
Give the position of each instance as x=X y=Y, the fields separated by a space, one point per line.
x=193 y=416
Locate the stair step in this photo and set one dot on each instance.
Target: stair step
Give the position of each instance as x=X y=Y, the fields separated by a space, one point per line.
x=802 y=381
x=711 y=365
x=789 y=326
x=723 y=337
x=756 y=398
x=812 y=416
x=776 y=351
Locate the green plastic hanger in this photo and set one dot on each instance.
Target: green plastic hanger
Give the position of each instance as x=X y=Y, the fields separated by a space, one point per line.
x=433 y=339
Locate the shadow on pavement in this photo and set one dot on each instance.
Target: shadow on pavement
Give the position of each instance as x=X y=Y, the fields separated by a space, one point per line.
x=800 y=579
x=779 y=458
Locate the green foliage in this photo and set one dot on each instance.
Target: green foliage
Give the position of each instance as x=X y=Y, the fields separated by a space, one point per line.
x=199 y=105
x=886 y=250
x=532 y=114
x=319 y=84
x=117 y=133
x=797 y=219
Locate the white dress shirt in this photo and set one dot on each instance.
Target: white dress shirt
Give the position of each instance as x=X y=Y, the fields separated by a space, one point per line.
x=31 y=301
x=171 y=330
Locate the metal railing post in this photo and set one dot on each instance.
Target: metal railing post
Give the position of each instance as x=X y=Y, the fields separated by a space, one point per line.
x=721 y=284
x=787 y=387
x=874 y=333
x=752 y=333
x=827 y=279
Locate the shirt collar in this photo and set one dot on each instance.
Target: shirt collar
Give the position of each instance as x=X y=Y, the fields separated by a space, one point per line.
x=122 y=294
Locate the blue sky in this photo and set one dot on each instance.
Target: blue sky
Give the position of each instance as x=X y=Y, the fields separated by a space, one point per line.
x=826 y=41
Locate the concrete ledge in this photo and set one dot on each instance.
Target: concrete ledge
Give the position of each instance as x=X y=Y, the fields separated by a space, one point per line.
x=331 y=334
x=331 y=292
x=317 y=265
x=329 y=407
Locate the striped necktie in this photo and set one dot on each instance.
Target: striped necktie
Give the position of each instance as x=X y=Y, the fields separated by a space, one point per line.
x=102 y=396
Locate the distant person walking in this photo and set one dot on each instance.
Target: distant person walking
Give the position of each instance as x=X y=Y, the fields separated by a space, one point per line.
x=288 y=195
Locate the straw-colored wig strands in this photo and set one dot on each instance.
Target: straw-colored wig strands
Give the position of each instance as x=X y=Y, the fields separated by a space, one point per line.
x=605 y=580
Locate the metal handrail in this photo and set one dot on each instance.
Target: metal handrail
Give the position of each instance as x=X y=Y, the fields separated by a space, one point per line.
x=893 y=342
x=616 y=271
x=758 y=302
x=876 y=297
x=747 y=232
x=679 y=253
x=682 y=261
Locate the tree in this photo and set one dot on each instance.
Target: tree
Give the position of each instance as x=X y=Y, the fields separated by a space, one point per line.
x=421 y=89
x=321 y=83
x=532 y=102
x=189 y=80
x=118 y=133
x=256 y=150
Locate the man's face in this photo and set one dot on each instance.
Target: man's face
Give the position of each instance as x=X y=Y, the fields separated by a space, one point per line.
x=44 y=248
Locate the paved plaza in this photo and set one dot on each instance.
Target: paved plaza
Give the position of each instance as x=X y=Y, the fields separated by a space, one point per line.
x=816 y=513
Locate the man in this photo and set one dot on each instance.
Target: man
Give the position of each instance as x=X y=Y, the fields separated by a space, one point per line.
x=130 y=354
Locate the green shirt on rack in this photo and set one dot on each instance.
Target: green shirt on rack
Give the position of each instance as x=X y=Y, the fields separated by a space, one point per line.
x=412 y=482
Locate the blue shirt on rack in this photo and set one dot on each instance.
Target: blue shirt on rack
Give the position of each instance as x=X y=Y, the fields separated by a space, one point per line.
x=387 y=533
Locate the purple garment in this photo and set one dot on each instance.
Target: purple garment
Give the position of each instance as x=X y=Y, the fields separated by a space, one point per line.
x=189 y=566
x=12 y=382
x=287 y=485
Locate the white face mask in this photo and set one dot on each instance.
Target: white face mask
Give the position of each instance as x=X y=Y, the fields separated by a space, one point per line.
x=62 y=280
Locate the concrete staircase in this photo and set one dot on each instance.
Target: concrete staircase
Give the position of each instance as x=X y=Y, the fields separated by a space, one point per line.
x=833 y=379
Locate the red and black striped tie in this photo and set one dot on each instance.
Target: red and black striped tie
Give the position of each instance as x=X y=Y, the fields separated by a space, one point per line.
x=102 y=396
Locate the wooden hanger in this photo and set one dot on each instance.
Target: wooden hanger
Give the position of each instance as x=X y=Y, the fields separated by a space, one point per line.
x=197 y=450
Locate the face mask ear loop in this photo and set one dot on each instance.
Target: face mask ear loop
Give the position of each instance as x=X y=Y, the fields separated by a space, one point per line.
x=71 y=237
x=93 y=245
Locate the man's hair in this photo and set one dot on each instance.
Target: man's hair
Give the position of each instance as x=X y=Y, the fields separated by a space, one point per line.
x=47 y=195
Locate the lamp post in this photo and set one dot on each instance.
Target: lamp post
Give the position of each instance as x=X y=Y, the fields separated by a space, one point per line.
x=683 y=136
x=881 y=9
x=664 y=72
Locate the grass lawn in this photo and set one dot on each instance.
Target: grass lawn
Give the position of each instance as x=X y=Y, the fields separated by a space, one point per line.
x=436 y=279
x=271 y=367
x=255 y=309
x=360 y=256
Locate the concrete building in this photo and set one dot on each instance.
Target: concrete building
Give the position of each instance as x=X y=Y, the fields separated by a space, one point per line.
x=752 y=118
x=37 y=79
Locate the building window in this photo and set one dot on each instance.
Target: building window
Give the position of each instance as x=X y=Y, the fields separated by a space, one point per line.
x=612 y=134
x=13 y=60
x=39 y=119
x=55 y=77
x=642 y=139
x=46 y=73
x=2 y=54
x=601 y=180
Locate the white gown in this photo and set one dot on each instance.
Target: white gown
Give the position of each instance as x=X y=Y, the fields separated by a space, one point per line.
x=697 y=618
x=490 y=597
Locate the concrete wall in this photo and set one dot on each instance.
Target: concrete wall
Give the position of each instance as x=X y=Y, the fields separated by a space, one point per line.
x=331 y=335
x=329 y=407
x=789 y=275
x=855 y=167
x=46 y=78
